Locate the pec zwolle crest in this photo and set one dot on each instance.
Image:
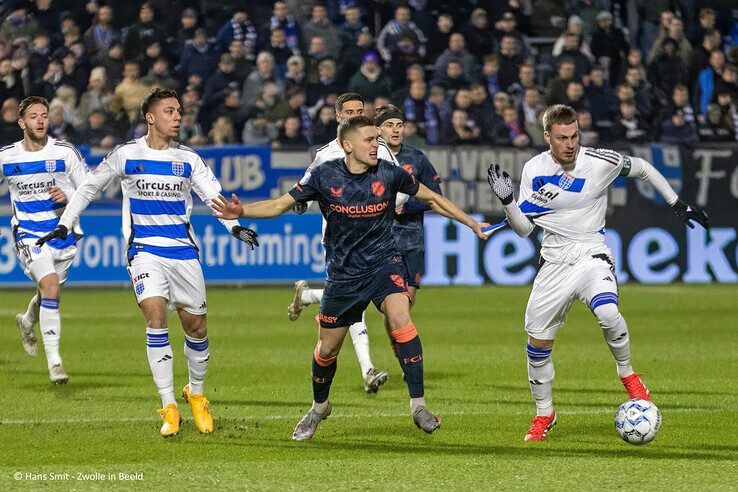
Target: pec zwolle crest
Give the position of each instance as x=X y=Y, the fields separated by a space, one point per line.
x=565 y=181
x=178 y=168
x=50 y=166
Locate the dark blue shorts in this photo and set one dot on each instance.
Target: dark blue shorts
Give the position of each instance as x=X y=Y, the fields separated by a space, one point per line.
x=345 y=300
x=415 y=265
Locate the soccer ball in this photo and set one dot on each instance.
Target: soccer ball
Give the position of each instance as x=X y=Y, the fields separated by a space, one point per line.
x=637 y=421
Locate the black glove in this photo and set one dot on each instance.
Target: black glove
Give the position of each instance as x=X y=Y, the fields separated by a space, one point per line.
x=300 y=207
x=60 y=232
x=245 y=235
x=688 y=212
x=500 y=183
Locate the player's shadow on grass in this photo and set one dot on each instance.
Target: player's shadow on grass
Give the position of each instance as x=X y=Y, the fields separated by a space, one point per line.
x=302 y=404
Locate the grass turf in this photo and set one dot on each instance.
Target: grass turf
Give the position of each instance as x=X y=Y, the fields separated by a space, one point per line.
x=103 y=423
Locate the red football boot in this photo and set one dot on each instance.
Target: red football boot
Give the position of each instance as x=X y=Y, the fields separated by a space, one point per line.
x=635 y=387
x=540 y=427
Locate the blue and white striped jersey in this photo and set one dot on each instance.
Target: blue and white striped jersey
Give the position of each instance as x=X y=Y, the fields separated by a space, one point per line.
x=157 y=202
x=30 y=175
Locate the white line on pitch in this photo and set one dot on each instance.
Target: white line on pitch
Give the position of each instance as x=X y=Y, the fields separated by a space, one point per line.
x=602 y=411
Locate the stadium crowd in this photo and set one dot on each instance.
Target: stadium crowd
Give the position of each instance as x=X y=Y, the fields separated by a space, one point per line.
x=468 y=71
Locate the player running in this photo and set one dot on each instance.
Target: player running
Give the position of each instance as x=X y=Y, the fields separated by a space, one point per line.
x=156 y=176
x=356 y=196
x=564 y=191
x=42 y=173
x=347 y=105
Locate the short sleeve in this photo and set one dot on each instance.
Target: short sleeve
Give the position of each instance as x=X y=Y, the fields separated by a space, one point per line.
x=307 y=189
x=405 y=182
x=429 y=177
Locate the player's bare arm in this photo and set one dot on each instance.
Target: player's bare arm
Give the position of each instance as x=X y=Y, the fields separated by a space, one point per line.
x=264 y=209
x=57 y=195
x=445 y=207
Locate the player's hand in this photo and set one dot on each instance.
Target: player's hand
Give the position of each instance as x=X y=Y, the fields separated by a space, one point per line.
x=60 y=232
x=300 y=207
x=227 y=210
x=688 y=212
x=500 y=183
x=399 y=209
x=245 y=235
x=477 y=228
x=57 y=195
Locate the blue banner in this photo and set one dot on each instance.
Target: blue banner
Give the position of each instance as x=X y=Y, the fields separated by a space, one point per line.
x=290 y=249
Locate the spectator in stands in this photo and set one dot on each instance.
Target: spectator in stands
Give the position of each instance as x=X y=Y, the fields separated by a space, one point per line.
x=102 y=35
x=668 y=69
x=526 y=80
x=290 y=136
x=575 y=25
x=222 y=132
x=230 y=109
x=253 y=86
x=271 y=103
x=653 y=15
x=319 y=25
x=462 y=130
x=556 y=90
x=456 y=51
x=635 y=77
x=187 y=28
x=675 y=130
x=325 y=125
x=675 y=31
x=510 y=61
x=404 y=55
x=588 y=136
x=190 y=131
x=159 y=75
x=700 y=59
x=350 y=61
x=39 y=57
x=352 y=25
x=531 y=115
x=96 y=97
x=491 y=74
x=131 y=90
x=296 y=105
x=414 y=73
x=716 y=127
x=453 y=79
x=278 y=48
x=629 y=126
x=575 y=96
x=549 y=20
x=420 y=111
x=728 y=103
x=707 y=22
x=142 y=33
x=296 y=75
x=678 y=102
x=572 y=51
x=259 y=130
x=281 y=18
x=316 y=53
x=507 y=25
x=401 y=28
x=11 y=84
x=327 y=83
x=114 y=65
x=600 y=98
x=243 y=64
x=45 y=87
x=60 y=127
x=438 y=41
x=728 y=83
x=516 y=132
x=707 y=80
x=479 y=35
x=19 y=26
x=370 y=81
x=609 y=42
x=238 y=28
x=200 y=57
x=9 y=130
x=216 y=85
x=97 y=132
x=46 y=13
x=412 y=137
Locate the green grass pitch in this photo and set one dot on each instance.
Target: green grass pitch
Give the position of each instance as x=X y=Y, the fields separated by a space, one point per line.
x=103 y=422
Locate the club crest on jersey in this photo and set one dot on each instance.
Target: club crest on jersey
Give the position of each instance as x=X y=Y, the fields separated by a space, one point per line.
x=565 y=181
x=378 y=188
x=50 y=166
x=408 y=168
x=336 y=191
x=178 y=168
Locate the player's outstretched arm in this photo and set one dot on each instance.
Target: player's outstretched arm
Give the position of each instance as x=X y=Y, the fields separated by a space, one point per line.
x=501 y=185
x=635 y=166
x=264 y=209
x=445 y=207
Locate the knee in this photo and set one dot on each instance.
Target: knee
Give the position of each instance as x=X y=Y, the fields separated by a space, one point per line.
x=49 y=287
x=197 y=327
x=325 y=350
x=608 y=315
x=398 y=321
x=156 y=322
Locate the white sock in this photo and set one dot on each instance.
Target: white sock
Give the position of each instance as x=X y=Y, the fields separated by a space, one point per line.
x=540 y=377
x=361 y=344
x=50 y=323
x=311 y=296
x=197 y=353
x=320 y=407
x=161 y=361
x=30 y=318
x=416 y=402
x=617 y=336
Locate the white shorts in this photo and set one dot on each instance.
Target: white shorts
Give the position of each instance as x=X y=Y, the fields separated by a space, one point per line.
x=180 y=282
x=40 y=261
x=558 y=284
